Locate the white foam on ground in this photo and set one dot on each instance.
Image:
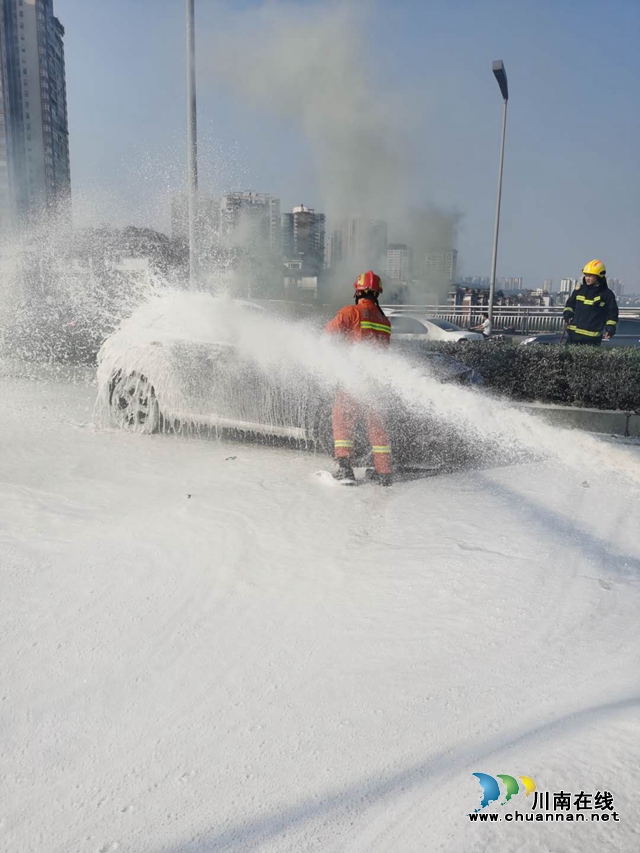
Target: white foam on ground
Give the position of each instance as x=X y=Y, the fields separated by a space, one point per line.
x=204 y=650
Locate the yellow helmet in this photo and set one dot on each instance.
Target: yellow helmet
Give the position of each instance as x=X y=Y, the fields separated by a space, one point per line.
x=594 y=268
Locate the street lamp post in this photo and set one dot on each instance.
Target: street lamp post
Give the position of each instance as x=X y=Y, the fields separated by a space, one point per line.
x=501 y=77
x=192 y=142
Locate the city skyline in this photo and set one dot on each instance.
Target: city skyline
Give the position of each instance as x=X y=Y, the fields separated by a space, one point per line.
x=554 y=177
x=127 y=123
x=303 y=238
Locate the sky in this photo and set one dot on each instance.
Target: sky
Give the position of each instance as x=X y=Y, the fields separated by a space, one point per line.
x=414 y=97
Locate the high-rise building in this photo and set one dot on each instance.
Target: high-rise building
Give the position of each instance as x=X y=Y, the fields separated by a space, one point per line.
x=303 y=238
x=510 y=284
x=335 y=250
x=249 y=218
x=399 y=262
x=568 y=284
x=440 y=266
x=358 y=240
x=475 y=281
x=617 y=286
x=35 y=176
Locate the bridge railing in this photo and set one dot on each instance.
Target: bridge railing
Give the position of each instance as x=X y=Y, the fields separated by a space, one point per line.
x=525 y=319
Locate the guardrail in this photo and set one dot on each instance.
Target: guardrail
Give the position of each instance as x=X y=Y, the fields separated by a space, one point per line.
x=523 y=319
x=605 y=421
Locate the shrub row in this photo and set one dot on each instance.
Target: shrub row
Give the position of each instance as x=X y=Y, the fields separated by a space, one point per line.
x=48 y=337
x=567 y=375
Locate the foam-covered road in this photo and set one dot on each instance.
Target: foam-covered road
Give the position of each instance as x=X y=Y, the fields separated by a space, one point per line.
x=205 y=649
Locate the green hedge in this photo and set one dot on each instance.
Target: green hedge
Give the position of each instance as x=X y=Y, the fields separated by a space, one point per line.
x=568 y=375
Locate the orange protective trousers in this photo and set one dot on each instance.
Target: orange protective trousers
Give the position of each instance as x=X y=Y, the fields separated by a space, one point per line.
x=347 y=412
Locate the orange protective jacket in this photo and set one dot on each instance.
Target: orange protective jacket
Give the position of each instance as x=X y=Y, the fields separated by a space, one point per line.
x=363 y=321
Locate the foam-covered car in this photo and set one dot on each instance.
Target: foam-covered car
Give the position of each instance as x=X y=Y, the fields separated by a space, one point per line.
x=190 y=361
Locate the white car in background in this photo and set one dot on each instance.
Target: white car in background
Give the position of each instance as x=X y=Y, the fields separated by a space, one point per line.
x=408 y=327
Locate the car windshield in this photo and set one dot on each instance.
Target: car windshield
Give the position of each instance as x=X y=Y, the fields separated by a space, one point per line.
x=445 y=324
x=404 y=325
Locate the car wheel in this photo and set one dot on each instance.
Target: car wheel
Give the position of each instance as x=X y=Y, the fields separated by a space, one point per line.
x=134 y=404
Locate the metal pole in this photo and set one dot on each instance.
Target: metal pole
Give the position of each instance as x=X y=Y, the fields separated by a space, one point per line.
x=494 y=260
x=192 y=143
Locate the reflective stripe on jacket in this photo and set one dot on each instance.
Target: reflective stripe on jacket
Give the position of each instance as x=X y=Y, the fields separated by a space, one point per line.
x=592 y=310
x=364 y=321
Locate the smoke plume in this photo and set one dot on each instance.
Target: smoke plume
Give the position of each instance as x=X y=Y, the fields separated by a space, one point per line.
x=316 y=65
x=312 y=63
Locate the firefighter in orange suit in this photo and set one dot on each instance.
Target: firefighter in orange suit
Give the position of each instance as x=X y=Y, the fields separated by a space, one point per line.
x=365 y=322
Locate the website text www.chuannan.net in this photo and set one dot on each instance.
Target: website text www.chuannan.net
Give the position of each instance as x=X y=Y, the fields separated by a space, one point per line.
x=550 y=816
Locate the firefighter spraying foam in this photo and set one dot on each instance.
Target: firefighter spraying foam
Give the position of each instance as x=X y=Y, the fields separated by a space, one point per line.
x=362 y=323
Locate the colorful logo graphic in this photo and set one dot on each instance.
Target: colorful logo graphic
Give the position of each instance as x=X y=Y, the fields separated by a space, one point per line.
x=491 y=788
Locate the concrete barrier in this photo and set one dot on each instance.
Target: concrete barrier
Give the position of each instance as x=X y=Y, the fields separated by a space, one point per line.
x=606 y=421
